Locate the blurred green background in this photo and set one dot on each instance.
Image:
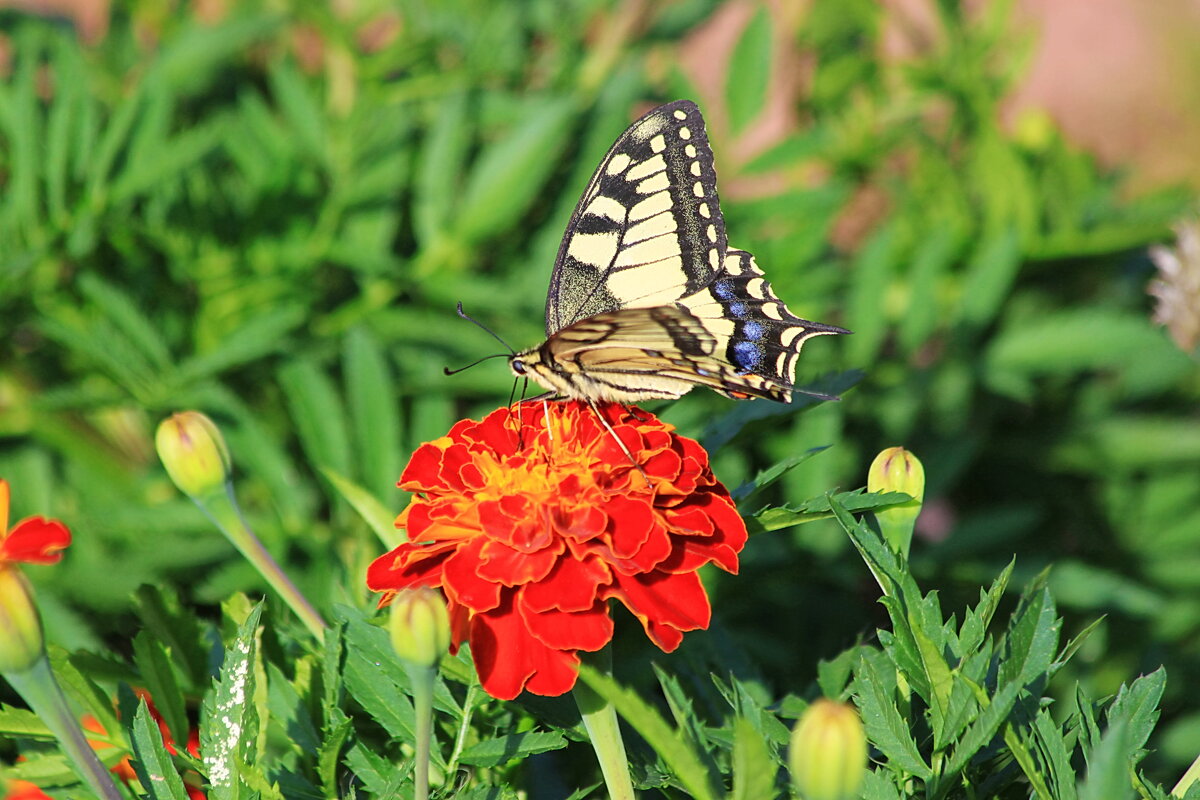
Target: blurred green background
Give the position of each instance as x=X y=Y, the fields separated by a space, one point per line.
x=267 y=212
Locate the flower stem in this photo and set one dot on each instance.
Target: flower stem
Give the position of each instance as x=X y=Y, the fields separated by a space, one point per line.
x=223 y=510
x=41 y=691
x=422 y=679
x=600 y=720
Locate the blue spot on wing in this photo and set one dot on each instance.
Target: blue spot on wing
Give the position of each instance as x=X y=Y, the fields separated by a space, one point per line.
x=724 y=290
x=746 y=355
x=737 y=309
x=752 y=329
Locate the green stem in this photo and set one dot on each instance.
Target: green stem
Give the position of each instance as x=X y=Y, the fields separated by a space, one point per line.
x=600 y=720
x=223 y=510
x=422 y=679
x=1189 y=777
x=460 y=741
x=41 y=691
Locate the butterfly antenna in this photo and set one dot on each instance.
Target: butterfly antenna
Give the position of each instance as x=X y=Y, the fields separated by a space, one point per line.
x=448 y=371
x=489 y=331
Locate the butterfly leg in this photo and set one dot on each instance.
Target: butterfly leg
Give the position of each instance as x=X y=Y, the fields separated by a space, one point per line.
x=617 y=439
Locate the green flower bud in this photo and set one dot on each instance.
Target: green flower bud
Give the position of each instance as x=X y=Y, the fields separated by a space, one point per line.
x=193 y=451
x=828 y=752
x=20 y=624
x=897 y=470
x=420 y=626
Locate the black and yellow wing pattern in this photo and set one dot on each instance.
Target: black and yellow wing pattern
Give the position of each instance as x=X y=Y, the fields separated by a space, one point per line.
x=647 y=299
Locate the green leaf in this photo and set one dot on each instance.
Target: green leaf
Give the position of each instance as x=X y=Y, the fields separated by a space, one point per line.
x=989 y=277
x=930 y=263
x=229 y=721
x=749 y=72
x=681 y=759
x=502 y=749
x=376 y=514
x=317 y=411
x=374 y=418
x=981 y=732
x=753 y=768
x=510 y=172
x=1109 y=768
x=1032 y=638
x=20 y=723
x=438 y=180
x=818 y=508
x=725 y=427
x=153 y=763
x=1055 y=756
x=878 y=786
x=178 y=630
x=772 y=474
x=157 y=673
x=1136 y=707
x=874 y=694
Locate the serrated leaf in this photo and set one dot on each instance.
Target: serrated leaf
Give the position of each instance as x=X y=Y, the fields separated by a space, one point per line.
x=1137 y=707
x=1032 y=638
x=153 y=763
x=984 y=728
x=818 y=508
x=502 y=749
x=753 y=768
x=770 y=475
x=229 y=719
x=874 y=695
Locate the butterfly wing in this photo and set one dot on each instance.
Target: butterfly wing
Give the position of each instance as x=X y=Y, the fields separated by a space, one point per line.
x=648 y=229
x=757 y=337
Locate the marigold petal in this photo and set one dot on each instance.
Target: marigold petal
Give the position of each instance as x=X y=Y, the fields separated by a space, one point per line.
x=666 y=604
x=508 y=566
x=462 y=582
x=572 y=585
x=406 y=566
x=508 y=658
x=586 y=630
x=35 y=540
x=421 y=474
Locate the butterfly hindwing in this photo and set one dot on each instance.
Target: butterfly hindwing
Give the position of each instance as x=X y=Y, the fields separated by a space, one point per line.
x=648 y=228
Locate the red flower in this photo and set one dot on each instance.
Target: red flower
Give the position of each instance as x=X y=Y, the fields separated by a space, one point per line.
x=530 y=534
x=33 y=540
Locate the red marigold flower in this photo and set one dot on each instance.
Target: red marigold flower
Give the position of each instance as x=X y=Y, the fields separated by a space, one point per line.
x=33 y=540
x=531 y=531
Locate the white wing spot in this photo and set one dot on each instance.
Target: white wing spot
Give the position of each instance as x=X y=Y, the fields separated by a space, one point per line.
x=788 y=336
x=607 y=207
x=696 y=168
x=703 y=209
x=654 y=204
x=757 y=287
x=685 y=134
x=646 y=168
x=698 y=189
x=655 y=183
x=658 y=225
x=617 y=164
x=690 y=151
x=680 y=114
x=712 y=233
x=658 y=143
x=713 y=259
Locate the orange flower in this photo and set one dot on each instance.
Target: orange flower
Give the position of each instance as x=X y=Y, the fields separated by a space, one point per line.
x=24 y=790
x=530 y=532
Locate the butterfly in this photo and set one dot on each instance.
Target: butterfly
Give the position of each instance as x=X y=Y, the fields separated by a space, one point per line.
x=648 y=299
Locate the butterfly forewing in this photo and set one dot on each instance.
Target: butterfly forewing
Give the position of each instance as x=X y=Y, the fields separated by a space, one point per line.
x=648 y=229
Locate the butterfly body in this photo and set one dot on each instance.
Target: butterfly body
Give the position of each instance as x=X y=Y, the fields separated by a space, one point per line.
x=647 y=299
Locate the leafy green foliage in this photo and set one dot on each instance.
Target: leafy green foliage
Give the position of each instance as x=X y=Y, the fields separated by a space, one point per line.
x=270 y=217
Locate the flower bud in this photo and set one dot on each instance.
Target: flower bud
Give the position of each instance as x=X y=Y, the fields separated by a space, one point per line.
x=20 y=624
x=193 y=451
x=897 y=470
x=828 y=752
x=420 y=626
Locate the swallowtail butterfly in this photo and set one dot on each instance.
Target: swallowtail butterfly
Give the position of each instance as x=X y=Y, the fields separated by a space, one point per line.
x=647 y=298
